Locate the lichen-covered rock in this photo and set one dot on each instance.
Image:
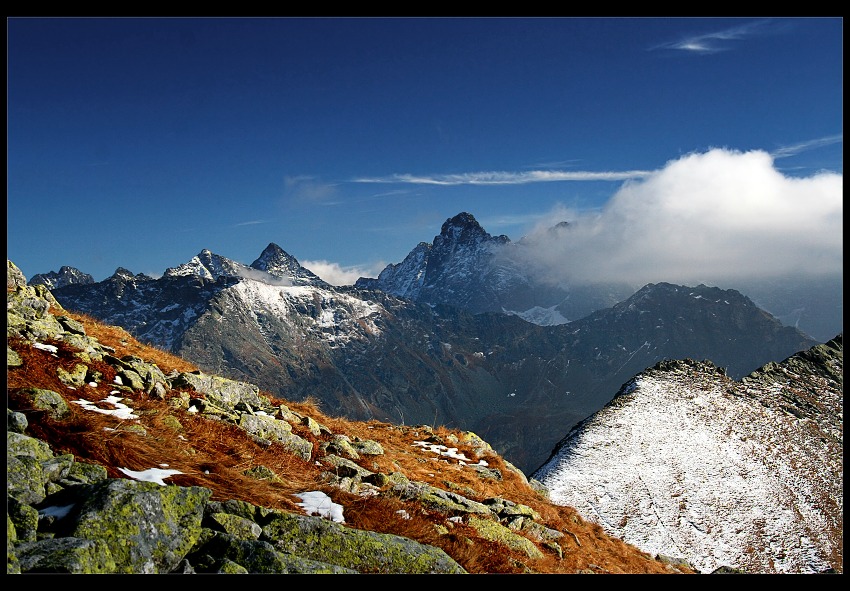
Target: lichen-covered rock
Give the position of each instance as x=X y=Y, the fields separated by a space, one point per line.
x=223 y=552
x=496 y=532
x=240 y=527
x=47 y=400
x=367 y=447
x=82 y=473
x=149 y=528
x=14 y=276
x=268 y=428
x=16 y=422
x=12 y=358
x=340 y=445
x=74 y=378
x=67 y=555
x=437 y=498
x=23 y=518
x=363 y=551
x=221 y=391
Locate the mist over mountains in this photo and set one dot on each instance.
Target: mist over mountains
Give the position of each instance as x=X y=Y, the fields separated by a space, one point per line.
x=563 y=272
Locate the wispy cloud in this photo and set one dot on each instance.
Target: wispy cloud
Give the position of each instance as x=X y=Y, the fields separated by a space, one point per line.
x=252 y=223
x=506 y=178
x=717 y=41
x=795 y=149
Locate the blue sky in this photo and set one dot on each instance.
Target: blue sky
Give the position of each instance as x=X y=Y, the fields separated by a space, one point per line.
x=138 y=142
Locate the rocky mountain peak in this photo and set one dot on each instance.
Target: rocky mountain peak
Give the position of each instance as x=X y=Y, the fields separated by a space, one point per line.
x=66 y=276
x=122 y=273
x=279 y=263
x=207 y=265
x=464 y=229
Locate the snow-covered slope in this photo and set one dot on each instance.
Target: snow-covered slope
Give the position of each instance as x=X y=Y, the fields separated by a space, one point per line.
x=689 y=463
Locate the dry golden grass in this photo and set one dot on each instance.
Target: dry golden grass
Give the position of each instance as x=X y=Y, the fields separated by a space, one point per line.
x=216 y=454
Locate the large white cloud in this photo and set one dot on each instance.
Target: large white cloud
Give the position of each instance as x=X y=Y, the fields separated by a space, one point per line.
x=707 y=217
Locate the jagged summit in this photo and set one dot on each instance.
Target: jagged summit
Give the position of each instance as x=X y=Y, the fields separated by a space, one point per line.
x=279 y=263
x=274 y=266
x=66 y=276
x=122 y=273
x=469 y=268
x=459 y=268
x=464 y=229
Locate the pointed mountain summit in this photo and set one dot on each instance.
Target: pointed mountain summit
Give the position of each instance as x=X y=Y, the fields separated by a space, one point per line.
x=279 y=263
x=463 y=230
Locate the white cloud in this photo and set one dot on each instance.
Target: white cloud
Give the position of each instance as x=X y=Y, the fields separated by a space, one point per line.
x=335 y=274
x=706 y=217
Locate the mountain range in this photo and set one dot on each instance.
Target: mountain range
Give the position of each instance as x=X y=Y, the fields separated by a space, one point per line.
x=414 y=357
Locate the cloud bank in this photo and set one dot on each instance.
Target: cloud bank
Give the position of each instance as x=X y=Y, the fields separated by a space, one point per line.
x=707 y=217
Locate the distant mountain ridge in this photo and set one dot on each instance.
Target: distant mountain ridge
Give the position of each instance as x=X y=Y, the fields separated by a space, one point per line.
x=371 y=355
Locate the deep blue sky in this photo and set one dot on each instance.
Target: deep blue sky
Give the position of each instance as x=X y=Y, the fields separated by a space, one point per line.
x=138 y=142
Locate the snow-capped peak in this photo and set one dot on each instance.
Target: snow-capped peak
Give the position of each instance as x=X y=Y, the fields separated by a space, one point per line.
x=207 y=265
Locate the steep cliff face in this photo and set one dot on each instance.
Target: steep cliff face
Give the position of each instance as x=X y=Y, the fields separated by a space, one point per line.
x=745 y=474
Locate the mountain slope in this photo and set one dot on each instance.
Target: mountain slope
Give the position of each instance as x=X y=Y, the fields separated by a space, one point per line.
x=744 y=474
